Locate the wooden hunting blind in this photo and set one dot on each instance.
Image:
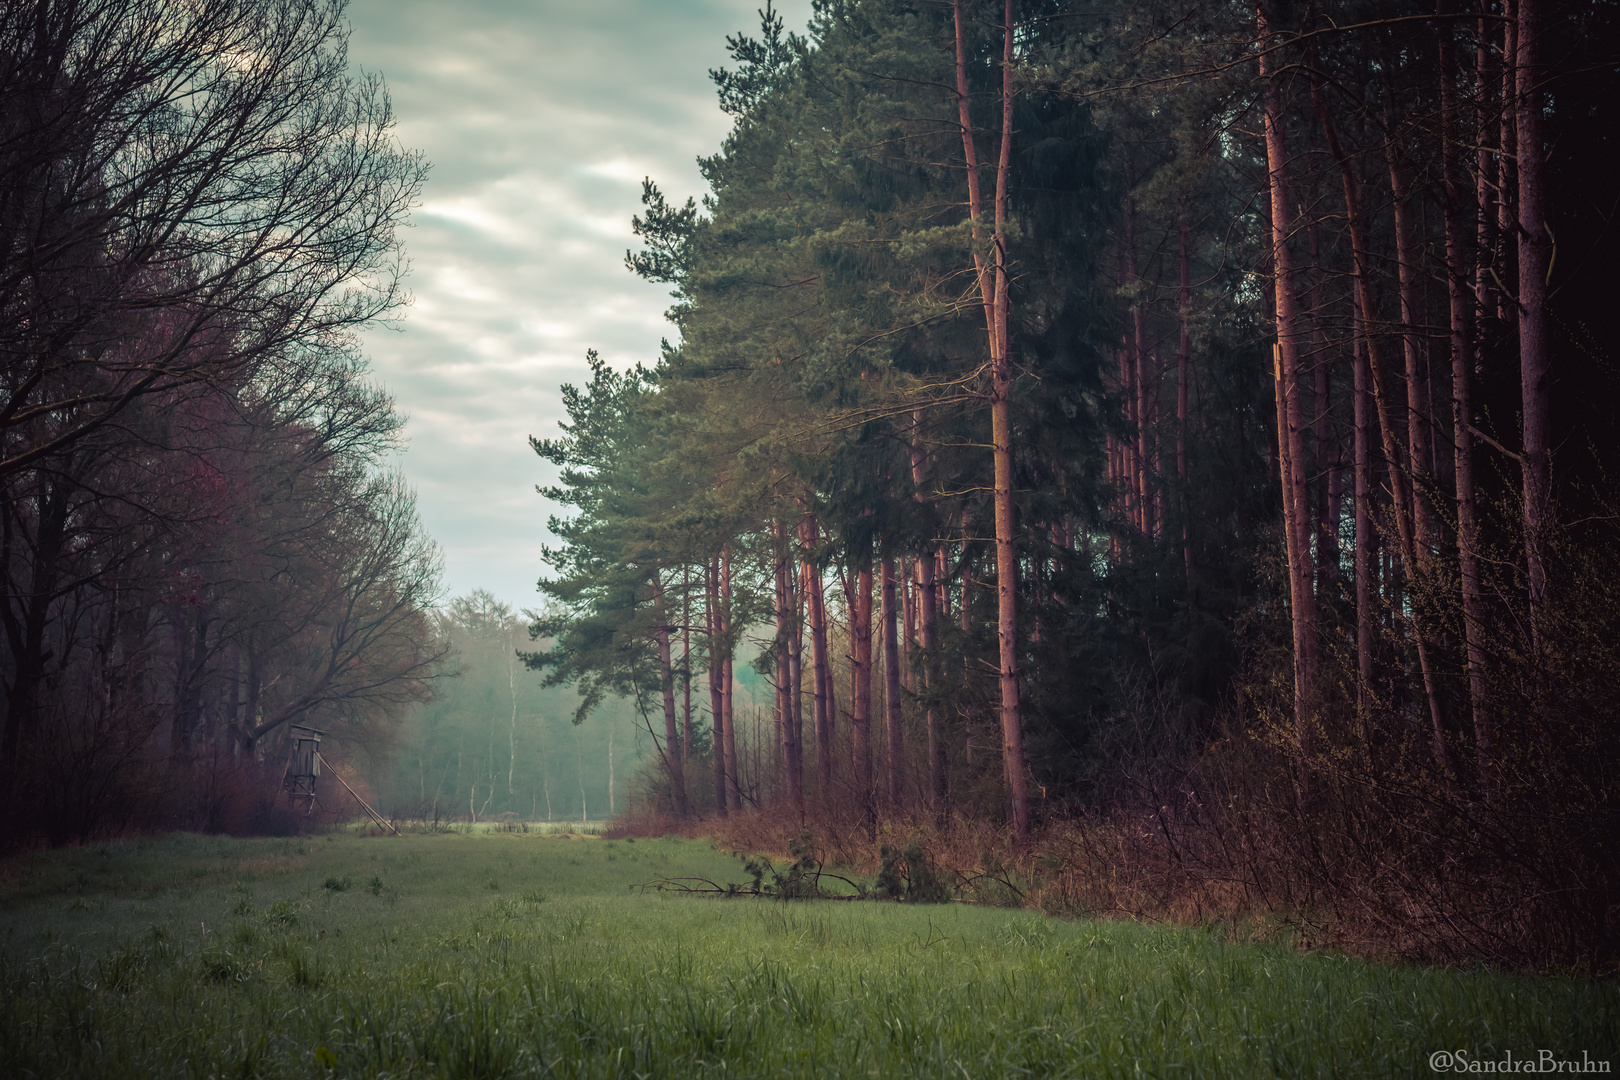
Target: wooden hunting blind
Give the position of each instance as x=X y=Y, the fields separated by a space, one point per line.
x=304 y=765
x=304 y=768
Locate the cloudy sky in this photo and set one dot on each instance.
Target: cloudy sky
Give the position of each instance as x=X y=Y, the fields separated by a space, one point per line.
x=540 y=118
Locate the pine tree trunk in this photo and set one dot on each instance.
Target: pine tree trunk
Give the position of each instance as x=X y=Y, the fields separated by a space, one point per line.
x=993 y=281
x=686 y=669
x=965 y=624
x=672 y=750
x=928 y=629
x=1362 y=276
x=821 y=663
x=786 y=629
x=1325 y=526
x=728 y=683
x=1507 y=180
x=717 y=708
x=1486 y=256
x=891 y=689
x=1290 y=422
x=1417 y=380
x=860 y=674
x=904 y=576
x=1535 y=259
x=1130 y=456
x=1457 y=203
x=1142 y=391
x=795 y=645
x=1365 y=612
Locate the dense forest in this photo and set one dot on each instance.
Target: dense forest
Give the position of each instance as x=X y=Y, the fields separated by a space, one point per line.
x=1186 y=429
x=201 y=540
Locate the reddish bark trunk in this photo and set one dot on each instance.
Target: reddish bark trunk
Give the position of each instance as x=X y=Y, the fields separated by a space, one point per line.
x=1507 y=181
x=1364 y=531
x=787 y=628
x=672 y=756
x=717 y=708
x=860 y=674
x=891 y=690
x=1485 y=179
x=928 y=627
x=1141 y=388
x=796 y=672
x=823 y=709
x=904 y=574
x=686 y=668
x=727 y=683
x=1290 y=422
x=1457 y=203
x=1362 y=276
x=1325 y=526
x=993 y=281
x=1417 y=380
x=1535 y=261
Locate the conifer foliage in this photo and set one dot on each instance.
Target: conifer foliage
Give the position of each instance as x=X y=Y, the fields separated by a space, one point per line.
x=1199 y=410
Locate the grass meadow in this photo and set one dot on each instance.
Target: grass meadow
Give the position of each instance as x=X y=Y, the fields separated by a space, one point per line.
x=514 y=955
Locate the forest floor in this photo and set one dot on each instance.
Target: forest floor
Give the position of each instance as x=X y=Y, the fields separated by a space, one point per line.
x=512 y=954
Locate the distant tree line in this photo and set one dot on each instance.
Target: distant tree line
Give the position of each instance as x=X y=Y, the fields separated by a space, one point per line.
x=200 y=541
x=1200 y=414
x=495 y=746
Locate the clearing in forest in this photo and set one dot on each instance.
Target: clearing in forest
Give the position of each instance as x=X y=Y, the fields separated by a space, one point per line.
x=513 y=955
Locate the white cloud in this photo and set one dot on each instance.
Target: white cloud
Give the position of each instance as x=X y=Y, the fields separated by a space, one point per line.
x=541 y=118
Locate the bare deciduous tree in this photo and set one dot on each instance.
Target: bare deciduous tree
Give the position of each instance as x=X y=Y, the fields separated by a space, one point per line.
x=185 y=189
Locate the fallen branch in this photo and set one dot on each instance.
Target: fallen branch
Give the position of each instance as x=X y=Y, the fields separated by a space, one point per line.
x=704 y=887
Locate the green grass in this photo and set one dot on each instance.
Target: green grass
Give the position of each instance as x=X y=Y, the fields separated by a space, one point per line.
x=528 y=955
